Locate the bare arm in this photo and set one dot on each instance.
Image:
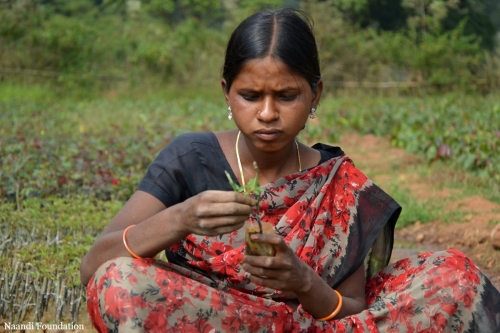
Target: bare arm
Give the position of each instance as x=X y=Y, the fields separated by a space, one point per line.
x=319 y=299
x=286 y=271
x=157 y=227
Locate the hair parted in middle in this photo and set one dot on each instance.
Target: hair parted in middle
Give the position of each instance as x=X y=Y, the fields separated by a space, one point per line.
x=285 y=34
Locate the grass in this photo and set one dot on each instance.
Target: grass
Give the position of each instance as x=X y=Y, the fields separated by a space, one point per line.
x=413 y=210
x=49 y=233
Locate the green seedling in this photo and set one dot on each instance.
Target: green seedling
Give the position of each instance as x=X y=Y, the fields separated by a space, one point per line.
x=251 y=188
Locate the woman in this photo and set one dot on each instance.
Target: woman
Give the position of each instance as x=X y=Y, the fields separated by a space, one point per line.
x=332 y=227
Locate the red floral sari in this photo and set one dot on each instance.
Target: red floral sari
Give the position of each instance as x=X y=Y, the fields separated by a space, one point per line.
x=335 y=219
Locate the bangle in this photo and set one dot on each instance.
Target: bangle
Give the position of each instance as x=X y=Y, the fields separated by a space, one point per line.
x=336 y=311
x=125 y=242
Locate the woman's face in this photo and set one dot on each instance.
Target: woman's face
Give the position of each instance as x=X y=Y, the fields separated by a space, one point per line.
x=270 y=104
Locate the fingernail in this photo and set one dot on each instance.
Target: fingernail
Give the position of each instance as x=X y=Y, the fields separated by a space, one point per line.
x=254 y=237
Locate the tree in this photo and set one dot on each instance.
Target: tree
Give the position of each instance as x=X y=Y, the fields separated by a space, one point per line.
x=423 y=16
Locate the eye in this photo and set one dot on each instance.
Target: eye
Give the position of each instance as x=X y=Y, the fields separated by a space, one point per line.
x=288 y=97
x=250 y=97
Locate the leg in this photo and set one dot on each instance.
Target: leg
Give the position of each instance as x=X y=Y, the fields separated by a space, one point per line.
x=133 y=295
x=433 y=292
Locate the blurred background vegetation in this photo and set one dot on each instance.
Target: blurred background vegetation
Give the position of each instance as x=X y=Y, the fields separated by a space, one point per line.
x=91 y=46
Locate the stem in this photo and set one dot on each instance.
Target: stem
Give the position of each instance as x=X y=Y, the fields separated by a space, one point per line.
x=257 y=196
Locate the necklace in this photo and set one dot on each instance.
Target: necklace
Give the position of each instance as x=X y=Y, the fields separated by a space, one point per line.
x=239 y=161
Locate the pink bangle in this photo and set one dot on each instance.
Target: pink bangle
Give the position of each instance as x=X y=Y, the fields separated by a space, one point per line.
x=125 y=242
x=336 y=311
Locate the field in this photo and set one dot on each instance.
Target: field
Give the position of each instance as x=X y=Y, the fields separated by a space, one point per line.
x=67 y=165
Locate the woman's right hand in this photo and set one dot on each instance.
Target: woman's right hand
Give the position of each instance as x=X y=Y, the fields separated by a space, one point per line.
x=213 y=213
x=157 y=227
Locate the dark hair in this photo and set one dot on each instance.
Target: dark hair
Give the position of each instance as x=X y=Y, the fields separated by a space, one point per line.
x=284 y=34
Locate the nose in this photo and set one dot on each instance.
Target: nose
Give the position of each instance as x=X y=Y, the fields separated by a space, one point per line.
x=267 y=111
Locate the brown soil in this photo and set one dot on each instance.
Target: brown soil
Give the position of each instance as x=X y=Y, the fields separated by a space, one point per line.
x=473 y=235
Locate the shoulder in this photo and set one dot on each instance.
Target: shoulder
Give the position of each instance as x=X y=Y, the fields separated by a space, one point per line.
x=187 y=140
x=327 y=151
x=180 y=169
x=190 y=143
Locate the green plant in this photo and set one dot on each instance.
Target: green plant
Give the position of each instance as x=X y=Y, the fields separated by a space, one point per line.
x=457 y=129
x=251 y=188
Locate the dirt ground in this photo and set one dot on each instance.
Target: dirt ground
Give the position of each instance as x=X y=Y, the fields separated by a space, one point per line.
x=384 y=164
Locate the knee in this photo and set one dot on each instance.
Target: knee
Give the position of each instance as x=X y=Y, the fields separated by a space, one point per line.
x=459 y=260
x=455 y=267
x=117 y=271
x=110 y=300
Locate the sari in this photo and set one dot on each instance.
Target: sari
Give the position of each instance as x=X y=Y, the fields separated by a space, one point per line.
x=335 y=219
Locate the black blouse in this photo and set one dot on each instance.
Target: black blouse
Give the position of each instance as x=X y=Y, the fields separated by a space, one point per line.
x=193 y=163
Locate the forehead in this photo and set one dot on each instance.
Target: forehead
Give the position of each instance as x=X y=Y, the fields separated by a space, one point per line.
x=268 y=71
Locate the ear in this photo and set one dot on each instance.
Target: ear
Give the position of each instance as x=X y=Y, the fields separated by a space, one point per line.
x=226 y=93
x=317 y=94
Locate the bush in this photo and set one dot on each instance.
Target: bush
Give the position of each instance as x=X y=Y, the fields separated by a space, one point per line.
x=107 y=47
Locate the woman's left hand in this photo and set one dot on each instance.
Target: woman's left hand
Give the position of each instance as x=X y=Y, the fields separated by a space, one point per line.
x=285 y=271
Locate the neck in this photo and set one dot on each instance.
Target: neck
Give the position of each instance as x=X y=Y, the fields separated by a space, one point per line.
x=271 y=165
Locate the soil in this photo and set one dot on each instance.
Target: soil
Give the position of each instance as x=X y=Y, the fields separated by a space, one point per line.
x=480 y=217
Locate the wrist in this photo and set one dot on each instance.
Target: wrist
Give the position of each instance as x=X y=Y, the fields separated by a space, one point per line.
x=179 y=225
x=308 y=281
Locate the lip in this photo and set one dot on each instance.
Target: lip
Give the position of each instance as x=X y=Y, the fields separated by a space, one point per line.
x=268 y=134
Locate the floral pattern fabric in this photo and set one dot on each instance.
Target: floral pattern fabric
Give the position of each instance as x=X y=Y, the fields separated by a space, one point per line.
x=333 y=217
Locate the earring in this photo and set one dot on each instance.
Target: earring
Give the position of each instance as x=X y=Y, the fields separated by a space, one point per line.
x=230 y=115
x=312 y=113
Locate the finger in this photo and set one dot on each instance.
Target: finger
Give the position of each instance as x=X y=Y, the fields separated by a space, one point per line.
x=230 y=196
x=261 y=262
x=245 y=199
x=285 y=262
x=218 y=231
x=224 y=209
x=267 y=282
x=267 y=273
x=221 y=225
x=230 y=228
x=276 y=240
x=281 y=281
x=259 y=280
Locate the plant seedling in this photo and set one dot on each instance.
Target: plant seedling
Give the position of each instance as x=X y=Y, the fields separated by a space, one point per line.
x=251 y=188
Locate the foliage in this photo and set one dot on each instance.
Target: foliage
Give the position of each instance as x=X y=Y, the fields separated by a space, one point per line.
x=101 y=148
x=94 y=46
x=93 y=49
x=424 y=16
x=462 y=130
x=449 y=60
x=83 y=149
x=252 y=188
x=51 y=234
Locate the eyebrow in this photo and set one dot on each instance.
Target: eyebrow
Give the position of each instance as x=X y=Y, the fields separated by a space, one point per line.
x=284 y=90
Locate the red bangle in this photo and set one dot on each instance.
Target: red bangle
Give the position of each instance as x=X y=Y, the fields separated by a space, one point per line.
x=336 y=311
x=125 y=242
